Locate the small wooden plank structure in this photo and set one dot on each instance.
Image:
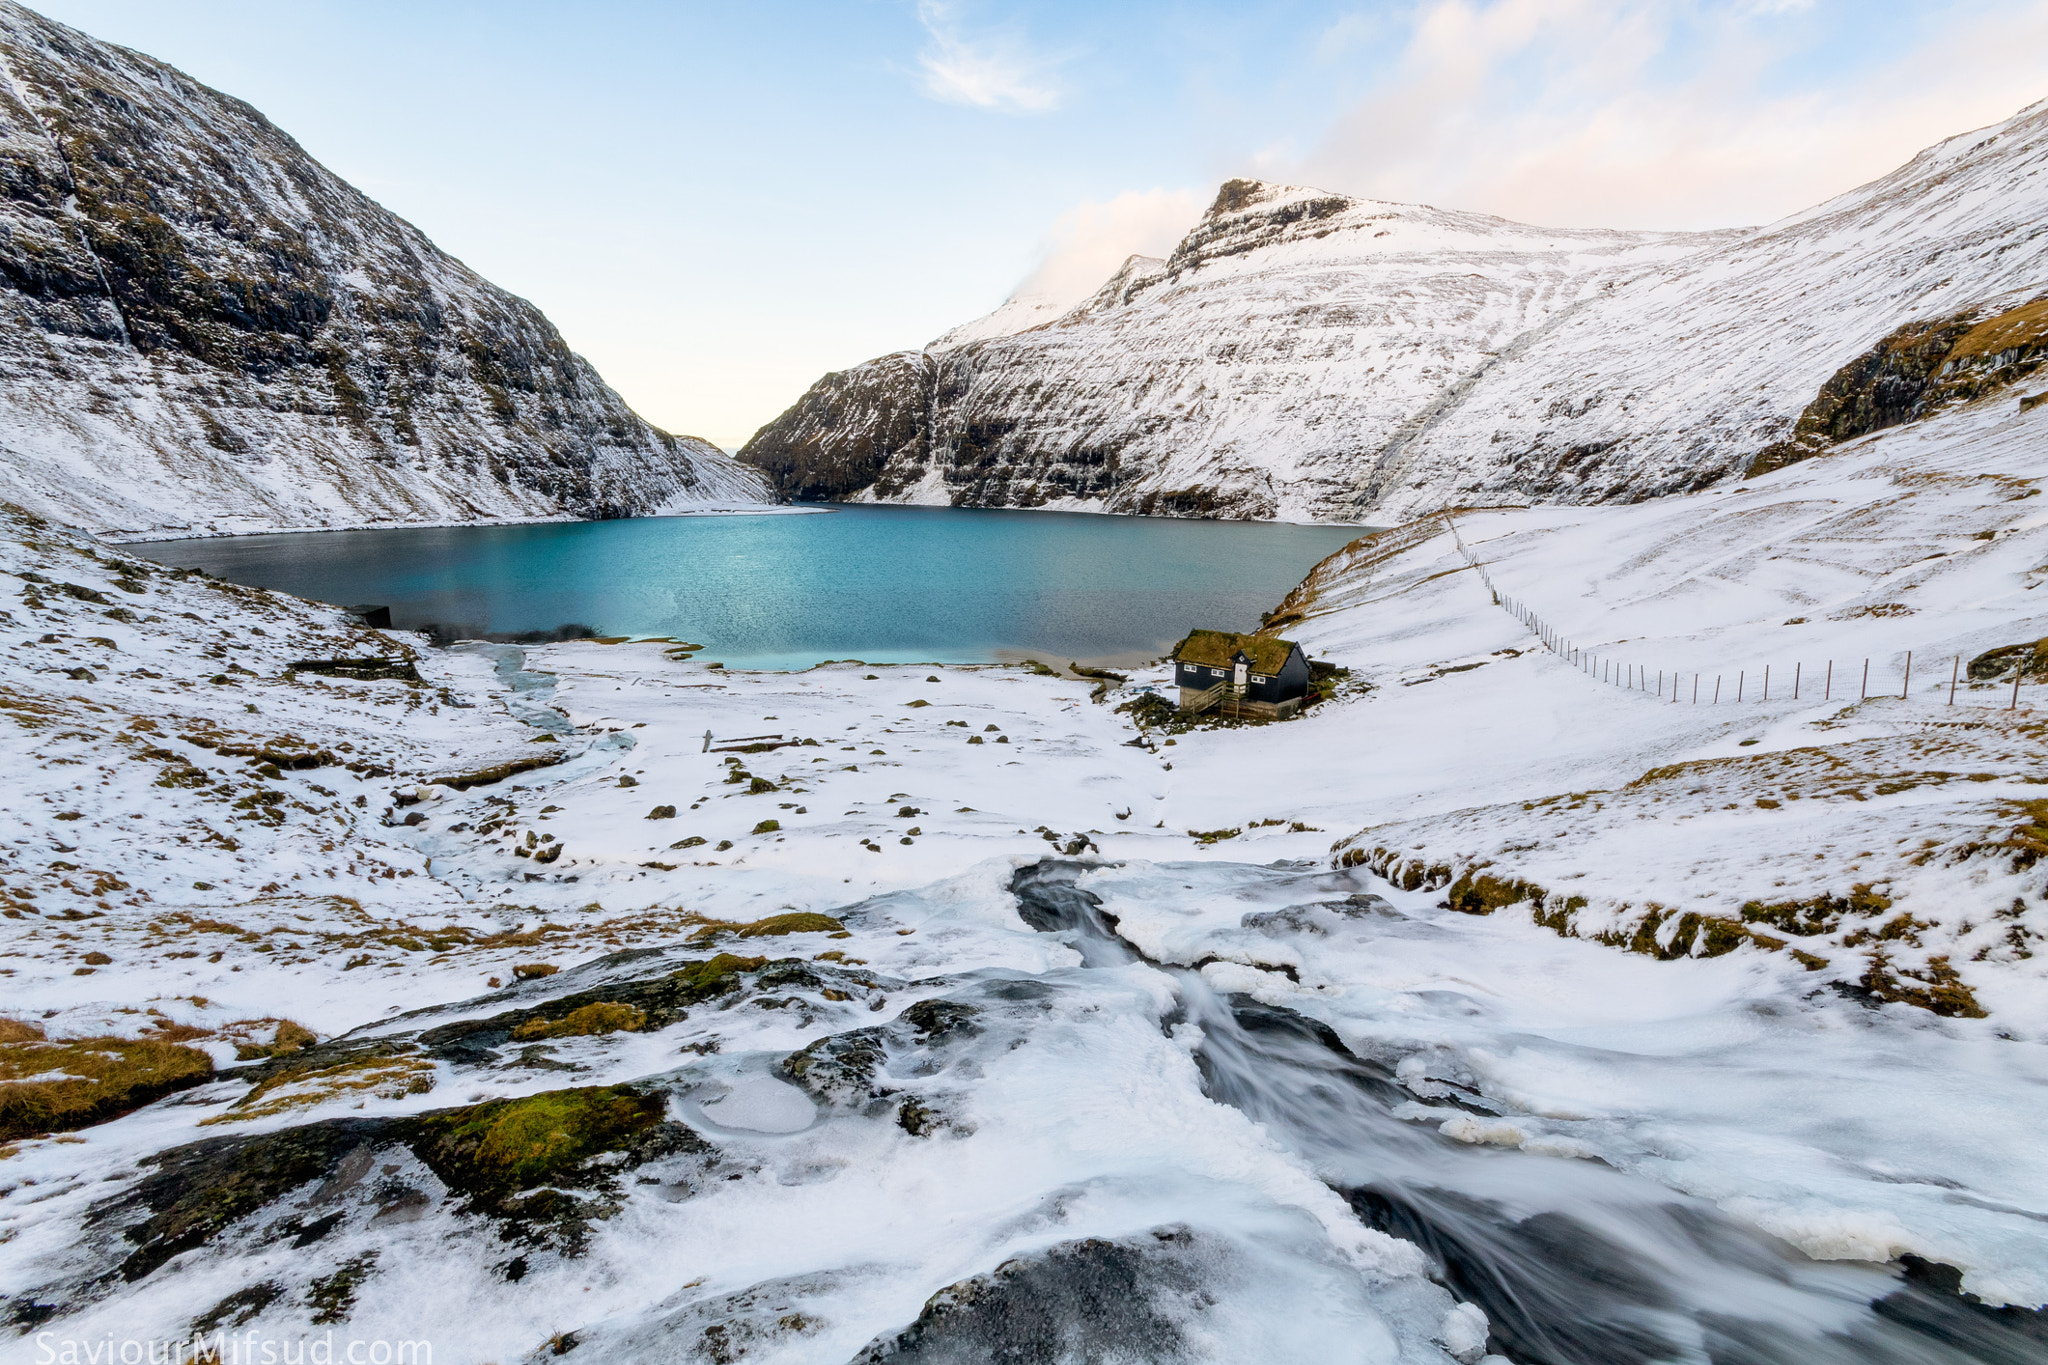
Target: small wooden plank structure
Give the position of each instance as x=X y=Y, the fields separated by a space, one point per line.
x=1240 y=675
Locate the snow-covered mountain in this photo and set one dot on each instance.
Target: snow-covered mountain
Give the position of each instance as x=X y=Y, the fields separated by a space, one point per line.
x=202 y=328
x=1309 y=355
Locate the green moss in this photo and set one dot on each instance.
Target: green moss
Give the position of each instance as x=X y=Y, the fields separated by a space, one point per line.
x=509 y=1145
x=775 y=926
x=1936 y=987
x=660 y=1000
x=599 y=1017
x=514 y=1160
x=1816 y=915
x=718 y=974
x=1480 y=893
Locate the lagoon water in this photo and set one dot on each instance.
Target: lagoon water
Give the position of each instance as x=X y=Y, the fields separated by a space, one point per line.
x=882 y=584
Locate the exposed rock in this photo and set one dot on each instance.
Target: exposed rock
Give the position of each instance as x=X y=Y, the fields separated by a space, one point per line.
x=542 y=1167
x=867 y=427
x=1141 y=1298
x=1916 y=370
x=203 y=328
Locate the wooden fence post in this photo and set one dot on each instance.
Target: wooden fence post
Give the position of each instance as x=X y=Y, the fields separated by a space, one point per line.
x=1828 y=688
x=1717 y=691
x=1767 y=682
x=1695 y=689
x=2022 y=668
x=1952 y=673
x=1795 y=680
x=1740 y=674
x=1907 y=686
x=1864 y=693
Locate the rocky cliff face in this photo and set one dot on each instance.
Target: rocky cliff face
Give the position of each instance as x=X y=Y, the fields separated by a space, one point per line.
x=1309 y=355
x=858 y=429
x=203 y=328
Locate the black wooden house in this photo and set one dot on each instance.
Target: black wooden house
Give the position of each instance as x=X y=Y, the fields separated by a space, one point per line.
x=1249 y=675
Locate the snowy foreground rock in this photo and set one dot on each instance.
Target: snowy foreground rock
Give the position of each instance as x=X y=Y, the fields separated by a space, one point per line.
x=1486 y=1011
x=203 y=330
x=1307 y=355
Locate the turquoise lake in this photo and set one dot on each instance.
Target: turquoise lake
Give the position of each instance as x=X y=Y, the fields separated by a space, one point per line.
x=881 y=584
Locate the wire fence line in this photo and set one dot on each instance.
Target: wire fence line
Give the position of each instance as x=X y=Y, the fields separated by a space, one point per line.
x=1697 y=688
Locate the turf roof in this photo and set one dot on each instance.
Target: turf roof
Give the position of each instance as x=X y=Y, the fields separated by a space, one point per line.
x=1216 y=648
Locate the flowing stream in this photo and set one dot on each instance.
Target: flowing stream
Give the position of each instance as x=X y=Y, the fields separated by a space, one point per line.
x=1574 y=1262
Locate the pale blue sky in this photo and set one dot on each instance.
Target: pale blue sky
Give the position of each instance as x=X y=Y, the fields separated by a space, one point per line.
x=718 y=202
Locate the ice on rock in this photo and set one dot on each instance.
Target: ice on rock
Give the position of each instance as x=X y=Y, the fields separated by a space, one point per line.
x=762 y=1104
x=1464 y=1333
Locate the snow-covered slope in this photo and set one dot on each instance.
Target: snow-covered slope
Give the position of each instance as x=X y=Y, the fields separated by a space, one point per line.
x=202 y=329
x=1291 y=331
x=1308 y=355
x=1689 y=373
x=964 y=1018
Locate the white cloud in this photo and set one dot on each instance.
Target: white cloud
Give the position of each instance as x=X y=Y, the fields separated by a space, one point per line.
x=1088 y=242
x=1658 y=113
x=1347 y=33
x=991 y=71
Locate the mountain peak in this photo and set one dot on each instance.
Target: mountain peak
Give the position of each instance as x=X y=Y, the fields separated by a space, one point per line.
x=1238 y=195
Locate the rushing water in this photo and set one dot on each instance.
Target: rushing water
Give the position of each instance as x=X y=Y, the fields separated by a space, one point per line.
x=1574 y=1263
x=884 y=584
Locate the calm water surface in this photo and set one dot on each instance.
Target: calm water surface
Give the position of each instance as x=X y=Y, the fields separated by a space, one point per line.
x=883 y=584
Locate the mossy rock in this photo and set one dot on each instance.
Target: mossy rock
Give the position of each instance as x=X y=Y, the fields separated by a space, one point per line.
x=1936 y=987
x=1817 y=915
x=302 y=1086
x=1481 y=893
x=2031 y=659
x=935 y=1019
x=775 y=926
x=660 y=1001
x=200 y=1188
x=514 y=1160
x=508 y=1145
x=841 y=1069
x=590 y=1020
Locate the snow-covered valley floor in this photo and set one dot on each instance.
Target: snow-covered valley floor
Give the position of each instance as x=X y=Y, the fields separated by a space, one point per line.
x=940 y=1013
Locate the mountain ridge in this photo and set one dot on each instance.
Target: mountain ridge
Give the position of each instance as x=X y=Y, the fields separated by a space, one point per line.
x=1289 y=360
x=208 y=331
